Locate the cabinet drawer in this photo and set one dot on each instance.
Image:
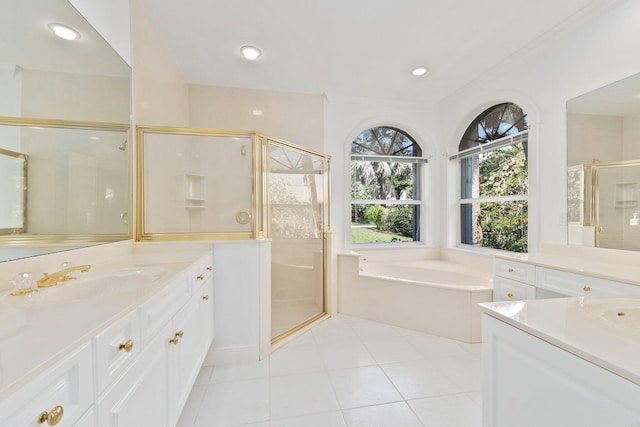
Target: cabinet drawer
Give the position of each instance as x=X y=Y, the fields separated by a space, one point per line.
x=156 y=312
x=115 y=348
x=514 y=270
x=201 y=272
x=139 y=397
x=571 y=284
x=69 y=384
x=506 y=290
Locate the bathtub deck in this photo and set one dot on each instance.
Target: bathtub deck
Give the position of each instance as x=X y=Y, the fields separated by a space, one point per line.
x=443 y=309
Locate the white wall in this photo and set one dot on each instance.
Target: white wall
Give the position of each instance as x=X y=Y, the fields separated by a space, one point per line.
x=11 y=89
x=631 y=137
x=577 y=59
x=75 y=97
x=112 y=19
x=160 y=95
x=345 y=118
x=294 y=117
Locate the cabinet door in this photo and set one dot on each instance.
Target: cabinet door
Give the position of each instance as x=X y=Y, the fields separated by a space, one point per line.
x=510 y=290
x=115 y=349
x=65 y=391
x=528 y=382
x=88 y=419
x=185 y=354
x=206 y=314
x=140 y=396
x=156 y=312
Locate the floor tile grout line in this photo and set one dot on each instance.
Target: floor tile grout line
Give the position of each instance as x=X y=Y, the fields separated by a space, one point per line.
x=466 y=352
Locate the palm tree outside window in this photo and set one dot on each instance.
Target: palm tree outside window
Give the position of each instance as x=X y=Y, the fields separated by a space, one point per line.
x=386 y=166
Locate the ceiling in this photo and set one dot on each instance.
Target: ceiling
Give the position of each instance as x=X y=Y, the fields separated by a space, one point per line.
x=34 y=46
x=354 y=48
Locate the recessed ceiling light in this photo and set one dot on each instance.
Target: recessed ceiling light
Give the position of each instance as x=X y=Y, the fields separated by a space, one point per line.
x=256 y=112
x=419 y=71
x=250 y=52
x=64 y=31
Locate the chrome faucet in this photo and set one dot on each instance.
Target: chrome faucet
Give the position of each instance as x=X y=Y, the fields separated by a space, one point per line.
x=61 y=276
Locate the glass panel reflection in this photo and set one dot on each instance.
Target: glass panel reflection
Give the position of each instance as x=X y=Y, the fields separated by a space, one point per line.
x=618 y=206
x=297 y=188
x=197 y=183
x=77 y=182
x=13 y=188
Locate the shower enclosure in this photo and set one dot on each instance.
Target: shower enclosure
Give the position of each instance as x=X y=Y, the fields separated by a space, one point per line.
x=297 y=183
x=603 y=205
x=205 y=184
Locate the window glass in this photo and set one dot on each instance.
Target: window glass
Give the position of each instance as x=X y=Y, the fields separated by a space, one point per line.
x=502 y=172
x=493 y=156
x=385 y=178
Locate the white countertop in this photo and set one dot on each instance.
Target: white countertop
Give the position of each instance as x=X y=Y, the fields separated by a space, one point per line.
x=36 y=334
x=602 y=330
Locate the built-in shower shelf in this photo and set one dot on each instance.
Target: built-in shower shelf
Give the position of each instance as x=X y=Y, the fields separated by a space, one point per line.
x=194 y=203
x=194 y=189
x=626 y=195
x=626 y=203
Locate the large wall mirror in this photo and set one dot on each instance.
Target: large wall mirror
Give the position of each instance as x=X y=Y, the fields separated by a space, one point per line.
x=64 y=132
x=604 y=166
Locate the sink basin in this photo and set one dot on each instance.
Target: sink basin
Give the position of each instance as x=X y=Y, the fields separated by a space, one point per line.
x=616 y=311
x=105 y=286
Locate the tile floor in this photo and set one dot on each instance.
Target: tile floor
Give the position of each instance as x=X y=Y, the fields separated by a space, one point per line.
x=345 y=372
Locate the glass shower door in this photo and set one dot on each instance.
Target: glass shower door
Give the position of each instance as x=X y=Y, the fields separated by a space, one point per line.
x=298 y=195
x=618 y=210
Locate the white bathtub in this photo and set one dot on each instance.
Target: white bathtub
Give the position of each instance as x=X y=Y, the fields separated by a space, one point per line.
x=436 y=296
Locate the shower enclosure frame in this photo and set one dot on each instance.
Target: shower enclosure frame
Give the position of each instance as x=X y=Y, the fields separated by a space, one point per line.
x=324 y=231
x=595 y=177
x=261 y=210
x=590 y=187
x=24 y=237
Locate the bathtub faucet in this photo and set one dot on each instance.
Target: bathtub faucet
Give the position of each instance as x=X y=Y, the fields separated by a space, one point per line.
x=63 y=275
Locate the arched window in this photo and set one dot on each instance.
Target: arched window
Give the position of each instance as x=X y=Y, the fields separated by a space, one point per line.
x=494 y=179
x=386 y=168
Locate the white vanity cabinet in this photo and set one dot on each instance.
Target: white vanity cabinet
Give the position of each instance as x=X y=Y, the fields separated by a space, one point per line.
x=513 y=280
x=115 y=348
x=89 y=419
x=140 y=397
x=519 y=280
x=185 y=354
x=64 y=392
x=155 y=313
x=206 y=313
x=572 y=284
x=528 y=382
x=136 y=370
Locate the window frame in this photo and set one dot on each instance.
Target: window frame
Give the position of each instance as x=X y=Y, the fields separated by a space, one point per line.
x=521 y=137
x=418 y=197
